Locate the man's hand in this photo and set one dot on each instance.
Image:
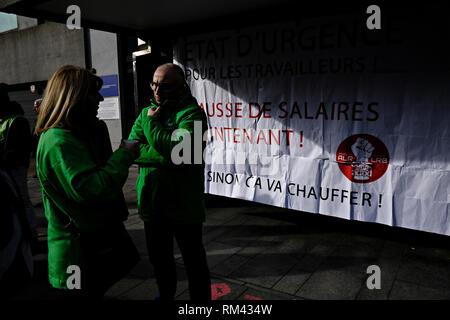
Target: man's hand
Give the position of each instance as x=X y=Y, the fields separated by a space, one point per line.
x=153 y=112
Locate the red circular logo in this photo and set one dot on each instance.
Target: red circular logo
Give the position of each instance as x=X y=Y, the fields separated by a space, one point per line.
x=362 y=158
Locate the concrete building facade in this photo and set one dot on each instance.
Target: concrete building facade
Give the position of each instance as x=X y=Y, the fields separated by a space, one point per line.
x=32 y=52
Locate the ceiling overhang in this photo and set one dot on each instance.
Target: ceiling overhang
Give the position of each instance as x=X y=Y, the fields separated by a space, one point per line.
x=153 y=19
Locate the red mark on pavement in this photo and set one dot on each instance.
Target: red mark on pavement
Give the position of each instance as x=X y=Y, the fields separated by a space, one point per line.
x=219 y=290
x=249 y=297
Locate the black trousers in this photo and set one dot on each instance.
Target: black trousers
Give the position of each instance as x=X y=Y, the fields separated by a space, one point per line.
x=159 y=236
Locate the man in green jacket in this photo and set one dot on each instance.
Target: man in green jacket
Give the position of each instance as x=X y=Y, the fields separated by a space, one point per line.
x=170 y=193
x=15 y=149
x=18 y=221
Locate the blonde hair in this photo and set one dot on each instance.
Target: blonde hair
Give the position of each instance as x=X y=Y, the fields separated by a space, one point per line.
x=65 y=95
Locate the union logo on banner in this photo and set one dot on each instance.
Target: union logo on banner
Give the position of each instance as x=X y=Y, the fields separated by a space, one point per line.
x=362 y=158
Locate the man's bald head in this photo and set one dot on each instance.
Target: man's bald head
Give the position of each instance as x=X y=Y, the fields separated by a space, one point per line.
x=174 y=71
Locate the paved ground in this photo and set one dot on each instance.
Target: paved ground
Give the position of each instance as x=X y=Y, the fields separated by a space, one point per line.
x=263 y=252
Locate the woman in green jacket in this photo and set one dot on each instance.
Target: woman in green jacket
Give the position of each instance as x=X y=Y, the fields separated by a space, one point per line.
x=81 y=179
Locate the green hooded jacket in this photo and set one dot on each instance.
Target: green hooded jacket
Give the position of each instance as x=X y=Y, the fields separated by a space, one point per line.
x=15 y=141
x=168 y=191
x=81 y=178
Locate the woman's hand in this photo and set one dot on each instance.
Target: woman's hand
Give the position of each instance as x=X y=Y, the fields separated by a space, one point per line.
x=132 y=145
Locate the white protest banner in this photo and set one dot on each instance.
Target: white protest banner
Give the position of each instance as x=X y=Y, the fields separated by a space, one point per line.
x=327 y=117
